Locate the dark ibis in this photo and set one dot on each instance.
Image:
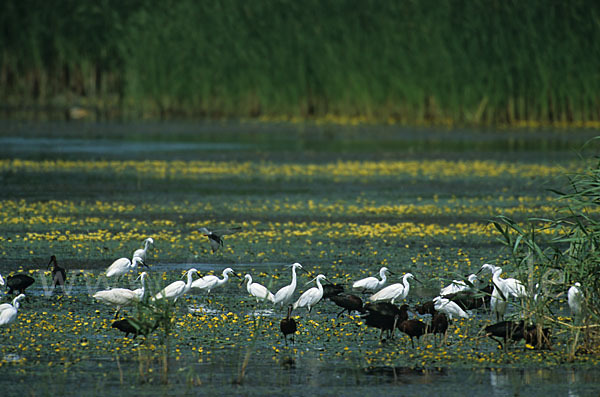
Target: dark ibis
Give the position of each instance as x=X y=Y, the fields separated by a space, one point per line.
x=125 y=326
x=288 y=325
x=385 y=316
x=439 y=324
x=426 y=308
x=330 y=290
x=59 y=274
x=348 y=302
x=19 y=282
x=215 y=237
x=507 y=330
x=133 y=326
x=413 y=328
x=531 y=337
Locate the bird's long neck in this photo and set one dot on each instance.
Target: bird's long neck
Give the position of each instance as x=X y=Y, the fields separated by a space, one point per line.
x=289 y=312
x=293 y=283
x=224 y=279
x=188 y=285
x=383 y=277
x=143 y=287
x=319 y=286
x=248 y=283
x=406 y=285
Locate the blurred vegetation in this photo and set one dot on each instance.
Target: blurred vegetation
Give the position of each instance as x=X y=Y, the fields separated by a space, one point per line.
x=459 y=61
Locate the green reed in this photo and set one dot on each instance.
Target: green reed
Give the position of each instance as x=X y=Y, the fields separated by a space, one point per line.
x=464 y=61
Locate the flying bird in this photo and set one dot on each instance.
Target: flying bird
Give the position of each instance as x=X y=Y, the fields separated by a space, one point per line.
x=215 y=237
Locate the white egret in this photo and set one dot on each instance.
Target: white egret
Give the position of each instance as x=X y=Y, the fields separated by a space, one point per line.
x=371 y=283
x=215 y=236
x=260 y=292
x=9 y=312
x=176 y=288
x=141 y=252
x=394 y=291
x=498 y=300
x=285 y=294
x=451 y=309
x=509 y=286
x=122 y=266
x=311 y=296
x=211 y=282
x=459 y=285
x=575 y=300
x=120 y=297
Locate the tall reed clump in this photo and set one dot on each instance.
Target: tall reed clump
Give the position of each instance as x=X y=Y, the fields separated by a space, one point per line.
x=553 y=254
x=463 y=61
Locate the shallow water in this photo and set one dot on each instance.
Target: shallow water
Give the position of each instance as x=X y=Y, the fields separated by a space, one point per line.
x=74 y=350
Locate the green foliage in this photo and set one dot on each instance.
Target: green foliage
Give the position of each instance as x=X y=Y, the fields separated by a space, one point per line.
x=469 y=61
x=552 y=262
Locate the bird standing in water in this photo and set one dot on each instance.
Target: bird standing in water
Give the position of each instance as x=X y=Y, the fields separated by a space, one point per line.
x=59 y=274
x=288 y=325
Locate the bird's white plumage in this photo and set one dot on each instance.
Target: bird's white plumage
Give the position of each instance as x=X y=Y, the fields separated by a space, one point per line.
x=141 y=252
x=260 y=292
x=9 y=312
x=451 y=309
x=120 y=297
x=458 y=286
x=285 y=294
x=575 y=300
x=210 y=281
x=2 y=282
x=394 y=291
x=371 y=283
x=122 y=266
x=508 y=286
x=177 y=288
x=311 y=296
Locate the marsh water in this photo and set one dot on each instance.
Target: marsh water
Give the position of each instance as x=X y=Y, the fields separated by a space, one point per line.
x=77 y=353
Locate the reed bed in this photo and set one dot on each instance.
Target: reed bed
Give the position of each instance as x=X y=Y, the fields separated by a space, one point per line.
x=452 y=62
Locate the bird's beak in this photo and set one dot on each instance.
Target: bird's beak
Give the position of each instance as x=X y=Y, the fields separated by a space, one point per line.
x=237 y=275
x=417 y=280
x=49 y=263
x=479 y=271
x=305 y=271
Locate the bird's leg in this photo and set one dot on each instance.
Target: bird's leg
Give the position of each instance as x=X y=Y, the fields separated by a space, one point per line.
x=340 y=313
x=117 y=312
x=412 y=342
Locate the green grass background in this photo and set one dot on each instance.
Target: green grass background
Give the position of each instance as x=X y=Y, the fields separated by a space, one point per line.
x=475 y=61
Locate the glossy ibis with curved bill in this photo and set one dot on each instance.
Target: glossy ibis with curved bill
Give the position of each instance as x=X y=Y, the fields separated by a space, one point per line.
x=439 y=325
x=215 y=237
x=426 y=308
x=384 y=316
x=413 y=328
x=19 y=283
x=507 y=330
x=331 y=289
x=132 y=326
x=59 y=274
x=348 y=302
x=288 y=325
